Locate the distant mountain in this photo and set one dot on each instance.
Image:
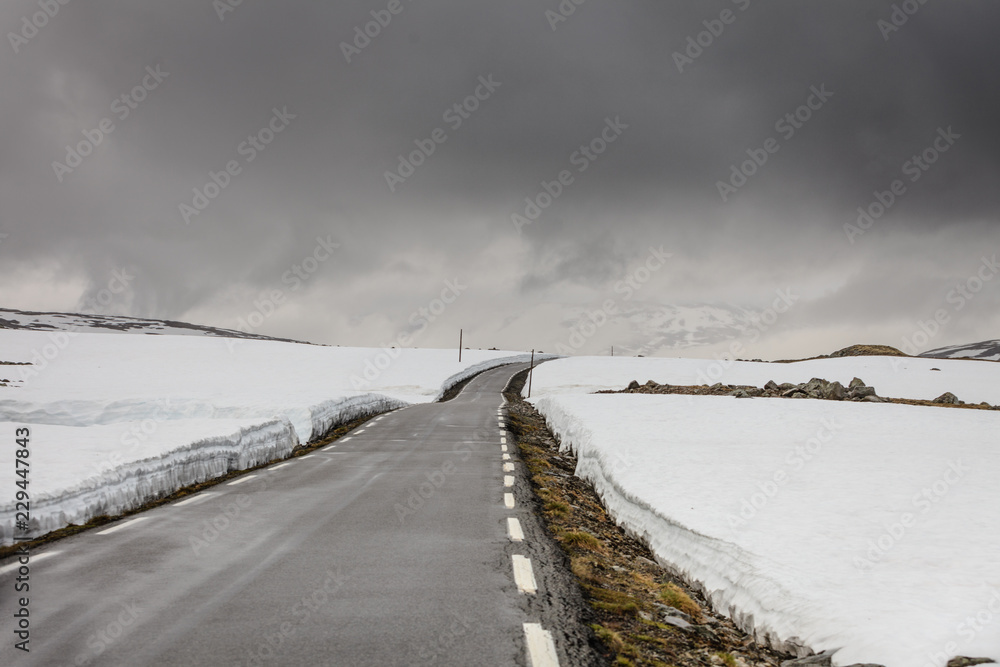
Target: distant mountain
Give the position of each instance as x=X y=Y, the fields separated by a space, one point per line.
x=632 y=327
x=988 y=350
x=32 y=321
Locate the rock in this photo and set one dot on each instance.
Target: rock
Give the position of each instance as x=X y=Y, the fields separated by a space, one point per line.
x=872 y=399
x=739 y=393
x=645 y=615
x=799 y=394
x=771 y=386
x=677 y=622
x=855 y=383
x=861 y=391
x=834 y=391
x=824 y=659
x=668 y=611
x=634 y=384
x=797 y=388
x=967 y=662
x=650 y=383
x=785 y=386
x=948 y=398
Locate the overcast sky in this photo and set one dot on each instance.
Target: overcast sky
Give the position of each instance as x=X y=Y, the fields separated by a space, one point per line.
x=204 y=82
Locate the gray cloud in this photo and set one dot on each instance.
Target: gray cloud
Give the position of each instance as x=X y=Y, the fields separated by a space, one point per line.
x=656 y=185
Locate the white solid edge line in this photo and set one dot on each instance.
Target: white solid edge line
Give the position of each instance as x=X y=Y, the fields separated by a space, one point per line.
x=114 y=529
x=524 y=576
x=281 y=465
x=508 y=480
x=541 y=648
x=31 y=560
x=195 y=499
x=245 y=478
x=508 y=500
x=508 y=467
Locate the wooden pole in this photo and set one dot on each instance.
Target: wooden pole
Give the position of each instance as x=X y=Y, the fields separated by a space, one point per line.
x=459 y=346
x=531 y=371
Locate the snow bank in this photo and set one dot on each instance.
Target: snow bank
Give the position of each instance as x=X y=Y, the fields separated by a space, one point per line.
x=160 y=412
x=894 y=377
x=872 y=528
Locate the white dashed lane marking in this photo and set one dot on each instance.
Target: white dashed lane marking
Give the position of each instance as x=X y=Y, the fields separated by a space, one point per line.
x=508 y=467
x=32 y=560
x=524 y=576
x=503 y=441
x=541 y=648
x=508 y=480
x=281 y=465
x=330 y=448
x=506 y=457
x=245 y=478
x=196 y=499
x=503 y=448
x=514 y=530
x=127 y=524
x=508 y=500
x=308 y=456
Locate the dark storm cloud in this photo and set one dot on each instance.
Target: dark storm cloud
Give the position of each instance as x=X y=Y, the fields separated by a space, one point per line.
x=556 y=90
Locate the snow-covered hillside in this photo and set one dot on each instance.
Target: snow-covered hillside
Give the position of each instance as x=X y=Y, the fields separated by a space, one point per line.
x=870 y=528
x=894 y=377
x=988 y=350
x=34 y=321
x=117 y=419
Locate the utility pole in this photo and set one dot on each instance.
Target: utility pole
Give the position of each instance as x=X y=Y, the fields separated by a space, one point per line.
x=531 y=371
x=459 y=346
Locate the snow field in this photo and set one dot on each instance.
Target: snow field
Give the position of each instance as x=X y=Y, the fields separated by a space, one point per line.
x=870 y=528
x=119 y=419
x=894 y=377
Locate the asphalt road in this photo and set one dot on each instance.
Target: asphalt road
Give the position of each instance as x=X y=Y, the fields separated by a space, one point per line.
x=392 y=547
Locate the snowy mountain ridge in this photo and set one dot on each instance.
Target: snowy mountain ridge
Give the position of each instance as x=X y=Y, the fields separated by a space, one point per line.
x=93 y=323
x=988 y=350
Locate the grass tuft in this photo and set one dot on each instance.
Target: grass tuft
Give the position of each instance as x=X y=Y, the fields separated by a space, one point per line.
x=678 y=599
x=582 y=541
